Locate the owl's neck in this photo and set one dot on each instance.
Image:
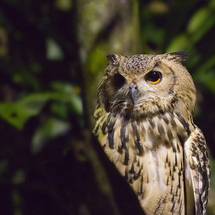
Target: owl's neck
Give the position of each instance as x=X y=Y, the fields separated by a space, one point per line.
x=150 y=132
x=147 y=108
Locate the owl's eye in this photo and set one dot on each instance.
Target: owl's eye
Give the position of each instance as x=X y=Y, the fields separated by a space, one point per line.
x=119 y=80
x=154 y=77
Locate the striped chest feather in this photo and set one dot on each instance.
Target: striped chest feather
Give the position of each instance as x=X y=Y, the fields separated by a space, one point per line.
x=149 y=153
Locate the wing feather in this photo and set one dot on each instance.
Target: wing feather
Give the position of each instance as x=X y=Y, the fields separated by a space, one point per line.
x=198 y=165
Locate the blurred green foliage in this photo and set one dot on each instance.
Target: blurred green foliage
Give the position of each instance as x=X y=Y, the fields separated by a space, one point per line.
x=52 y=54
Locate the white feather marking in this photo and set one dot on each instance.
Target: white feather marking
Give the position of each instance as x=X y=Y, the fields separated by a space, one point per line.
x=188 y=179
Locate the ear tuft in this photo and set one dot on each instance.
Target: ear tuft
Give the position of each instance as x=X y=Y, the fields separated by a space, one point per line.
x=114 y=59
x=178 y=55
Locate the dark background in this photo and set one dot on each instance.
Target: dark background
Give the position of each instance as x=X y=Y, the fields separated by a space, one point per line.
x=52 y=55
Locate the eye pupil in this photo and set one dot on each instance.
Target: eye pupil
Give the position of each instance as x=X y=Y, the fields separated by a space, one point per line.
x=119 y=80
x=154 y=77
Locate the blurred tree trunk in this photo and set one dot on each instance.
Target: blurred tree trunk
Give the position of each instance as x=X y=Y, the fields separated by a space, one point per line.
x=103 y=27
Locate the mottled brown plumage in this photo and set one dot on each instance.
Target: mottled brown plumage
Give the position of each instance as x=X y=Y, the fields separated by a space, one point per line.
x=145 y=126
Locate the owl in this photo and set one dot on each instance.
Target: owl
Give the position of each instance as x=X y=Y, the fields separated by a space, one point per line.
x=144 y=124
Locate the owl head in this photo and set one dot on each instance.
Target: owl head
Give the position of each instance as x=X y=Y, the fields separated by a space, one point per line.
x=139 y=85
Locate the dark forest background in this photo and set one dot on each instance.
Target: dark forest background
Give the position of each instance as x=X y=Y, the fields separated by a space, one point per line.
x=52 y=55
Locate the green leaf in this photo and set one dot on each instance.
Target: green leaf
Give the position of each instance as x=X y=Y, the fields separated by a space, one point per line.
x=51 y=129
x=72 y=94
x=53 y=50
x=17 y=113
x=200 y=23
x=198 y=19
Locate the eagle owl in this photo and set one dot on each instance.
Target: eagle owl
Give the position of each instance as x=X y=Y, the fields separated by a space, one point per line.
x=145 y=126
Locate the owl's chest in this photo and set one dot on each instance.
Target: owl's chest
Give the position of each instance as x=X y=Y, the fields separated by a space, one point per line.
x=140 y=135
x=149 y=154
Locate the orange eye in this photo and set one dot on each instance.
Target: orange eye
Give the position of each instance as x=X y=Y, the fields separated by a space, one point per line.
x=154 y=77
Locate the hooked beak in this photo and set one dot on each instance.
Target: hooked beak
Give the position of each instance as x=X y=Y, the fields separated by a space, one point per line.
x=133 y=92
